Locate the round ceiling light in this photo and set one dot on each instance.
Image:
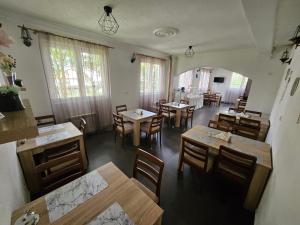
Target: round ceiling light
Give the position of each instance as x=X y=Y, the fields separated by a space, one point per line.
x=163 y=32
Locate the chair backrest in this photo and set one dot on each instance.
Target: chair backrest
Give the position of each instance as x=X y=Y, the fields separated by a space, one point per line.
x=82 y=126
x=226 y=122
x=164 y=109
x=118 y=121
x=248 y=128
x=149 y=167
x=194 y=152
x=45 y=120
x=183 y=101
x=237 y=165
x=241 y=105
x=251 y=112
x=228 y=118
x=190 y=111
x=156 y=124
x=59 y=171
x=121 y=108
x=162 y=101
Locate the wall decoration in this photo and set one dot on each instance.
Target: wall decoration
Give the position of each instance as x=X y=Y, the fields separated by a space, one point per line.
x=295 y=86
x=296 y=38
x=25 y=35
x=285 y=58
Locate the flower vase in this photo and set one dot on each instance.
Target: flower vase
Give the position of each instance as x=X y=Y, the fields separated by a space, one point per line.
x=10 y=78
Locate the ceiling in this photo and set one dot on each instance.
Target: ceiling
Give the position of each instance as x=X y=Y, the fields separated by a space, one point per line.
x=205 y=24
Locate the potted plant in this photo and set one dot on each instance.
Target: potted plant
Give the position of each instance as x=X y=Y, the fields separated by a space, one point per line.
x=7 y=63
x=10 y=100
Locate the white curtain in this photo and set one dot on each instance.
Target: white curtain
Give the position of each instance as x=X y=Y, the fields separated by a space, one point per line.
x=185 y=80
x=77 y=75
x=204 y=80
x=152 y=81
x=236 y=89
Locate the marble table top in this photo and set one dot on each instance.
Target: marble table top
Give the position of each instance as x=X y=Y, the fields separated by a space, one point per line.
x=66 y=198
x=113 y=215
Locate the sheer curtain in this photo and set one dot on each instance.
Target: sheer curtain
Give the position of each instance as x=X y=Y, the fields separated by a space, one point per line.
x=77 y=75
x=185 y=80
x=152 y=81
x=237 y=88
x=204 y=80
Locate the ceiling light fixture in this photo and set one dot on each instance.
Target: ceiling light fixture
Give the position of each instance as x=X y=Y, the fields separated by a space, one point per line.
x=296 y=38
x=163 y=32
x=108 y=22
x=285 y=57
x=25 y=35
x=190 y=51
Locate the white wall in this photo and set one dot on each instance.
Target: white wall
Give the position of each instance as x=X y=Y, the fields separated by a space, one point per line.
x=264 y=71
x=220 y=87
x=281 y=200
x=13 y=192
x=124 y=74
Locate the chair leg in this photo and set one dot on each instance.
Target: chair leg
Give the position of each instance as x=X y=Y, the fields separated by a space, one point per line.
x=191 y=122
x=160 y=138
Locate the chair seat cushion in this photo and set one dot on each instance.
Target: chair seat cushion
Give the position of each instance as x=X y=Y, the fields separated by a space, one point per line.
x=128 y=128
x=145 y=127
x=172 y=115
x=145 y=190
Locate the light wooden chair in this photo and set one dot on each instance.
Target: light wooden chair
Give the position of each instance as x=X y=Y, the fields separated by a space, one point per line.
x=195 y=155
x=83 y=129
x=167 y=113
x=183 y=101
x=235 y=165
x=153 y=127
x=226 y=122
x=151 y=168
x=120 y=127
x=45 y=120
x=214 y=124
x=251 y=112
x=248 y=128
x=121 y=108
x=188 y=114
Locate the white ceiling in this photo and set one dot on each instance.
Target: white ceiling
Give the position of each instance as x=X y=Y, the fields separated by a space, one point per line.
x=205 y=24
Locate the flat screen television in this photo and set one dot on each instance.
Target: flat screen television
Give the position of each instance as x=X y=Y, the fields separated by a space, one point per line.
x=219 y=79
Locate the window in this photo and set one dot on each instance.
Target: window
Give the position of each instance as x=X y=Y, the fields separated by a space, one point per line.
x=185 y=79
x=238 y=81
x=150 y=78
x=69 y=80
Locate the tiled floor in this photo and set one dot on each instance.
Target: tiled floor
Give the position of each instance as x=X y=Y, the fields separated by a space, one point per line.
x=189 y=198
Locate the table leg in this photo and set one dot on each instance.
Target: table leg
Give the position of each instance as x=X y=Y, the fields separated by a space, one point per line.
x=180 y=167
x=136 y=133
x=178 y=116
x=256 y=187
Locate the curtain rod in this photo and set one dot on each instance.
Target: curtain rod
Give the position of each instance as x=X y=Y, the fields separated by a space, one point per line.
x=150 y=56
x=57 y=35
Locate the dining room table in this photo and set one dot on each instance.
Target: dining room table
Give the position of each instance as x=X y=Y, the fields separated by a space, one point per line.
x=178 y=108
x=261 y=150
x=101 y=196
x=264 y=121
x=49 y=138
x=137 y=116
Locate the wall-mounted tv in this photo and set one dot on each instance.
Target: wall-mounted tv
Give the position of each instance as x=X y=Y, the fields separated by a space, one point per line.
x=219 y=79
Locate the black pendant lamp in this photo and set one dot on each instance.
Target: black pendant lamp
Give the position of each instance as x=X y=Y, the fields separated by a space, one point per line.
x=296 y=38
x=108 y=22
x=190 y=51
x=285 y=57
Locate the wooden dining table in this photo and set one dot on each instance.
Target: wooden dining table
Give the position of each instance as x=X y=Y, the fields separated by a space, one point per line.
x=262 y=151
x=120 y=189
x=264 y=121
x=178 y=107
x=137 y=119
x=49 y=137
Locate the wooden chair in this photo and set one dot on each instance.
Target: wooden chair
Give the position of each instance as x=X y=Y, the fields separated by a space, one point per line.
x=59 y=171
x=153 y=127
x=45 y=120
x=251 y=112
x=183 y=101
x=214 y=124
x=121 y=128
x=226 y=122
x=167 y=113
x=188 y=114
x=195 y=155
x=83 y=129
x=162 y=101
x=121 y=108
x=151 y=168
x=242 y=105
x=248 y=128
x=235 y=165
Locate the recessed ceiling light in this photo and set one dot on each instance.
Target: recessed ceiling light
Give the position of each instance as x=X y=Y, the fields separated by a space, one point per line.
x=165 y=32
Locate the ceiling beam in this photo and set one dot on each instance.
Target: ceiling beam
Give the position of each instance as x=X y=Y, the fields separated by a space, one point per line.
x=261 y=16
